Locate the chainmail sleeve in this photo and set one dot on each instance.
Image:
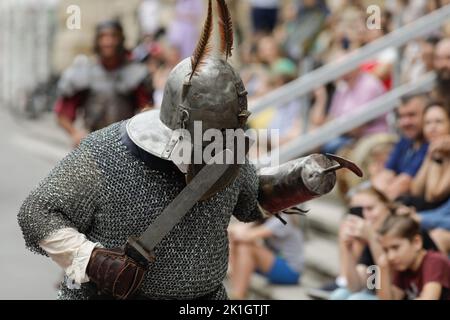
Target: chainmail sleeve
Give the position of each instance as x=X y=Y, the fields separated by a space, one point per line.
x=247 y=209
x=65 y=198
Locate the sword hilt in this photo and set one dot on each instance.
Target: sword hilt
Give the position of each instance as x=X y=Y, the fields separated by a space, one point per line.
x=138 y=252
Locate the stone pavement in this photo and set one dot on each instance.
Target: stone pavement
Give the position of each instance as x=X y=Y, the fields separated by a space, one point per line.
x=26 y=157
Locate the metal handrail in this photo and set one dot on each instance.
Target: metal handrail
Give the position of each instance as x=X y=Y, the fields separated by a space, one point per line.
x=338 y=126
x=332 y=71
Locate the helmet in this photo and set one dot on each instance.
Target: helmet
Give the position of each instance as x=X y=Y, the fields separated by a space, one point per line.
x=110 y=24
x=202 y=89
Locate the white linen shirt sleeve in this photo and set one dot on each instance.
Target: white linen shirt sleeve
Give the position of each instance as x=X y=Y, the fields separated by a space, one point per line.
x=71 y=251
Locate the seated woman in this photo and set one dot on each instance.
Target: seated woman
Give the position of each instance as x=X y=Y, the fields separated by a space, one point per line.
x=359 y=245
x=270 y=248
x=432 y=183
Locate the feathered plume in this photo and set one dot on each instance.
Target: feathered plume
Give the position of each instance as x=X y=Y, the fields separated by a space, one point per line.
x=226 y=29
x=203 y=46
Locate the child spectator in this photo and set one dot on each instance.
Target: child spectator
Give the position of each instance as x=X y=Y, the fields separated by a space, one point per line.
x=357 y=242
x=417 y=273
x=271 y=248
x=359 y=245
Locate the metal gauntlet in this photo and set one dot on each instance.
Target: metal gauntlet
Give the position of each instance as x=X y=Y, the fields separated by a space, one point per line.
x=299 y=180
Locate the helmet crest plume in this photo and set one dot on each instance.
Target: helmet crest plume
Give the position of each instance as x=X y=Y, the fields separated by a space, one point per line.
x=226 y=36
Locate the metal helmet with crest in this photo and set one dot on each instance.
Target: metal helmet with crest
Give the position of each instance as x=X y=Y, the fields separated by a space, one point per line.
x=203 y=88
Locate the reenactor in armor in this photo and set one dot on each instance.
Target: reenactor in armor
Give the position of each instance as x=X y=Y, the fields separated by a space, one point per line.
x=125 y=220
x=105 y=89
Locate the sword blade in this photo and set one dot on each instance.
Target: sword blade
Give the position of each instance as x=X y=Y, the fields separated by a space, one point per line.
x=184 y=202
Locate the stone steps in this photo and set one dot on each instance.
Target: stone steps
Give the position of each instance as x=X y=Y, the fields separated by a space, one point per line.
x=321 y=266
x=322 y=255
x=263 y=290
x=321 y=251
x=325 y=213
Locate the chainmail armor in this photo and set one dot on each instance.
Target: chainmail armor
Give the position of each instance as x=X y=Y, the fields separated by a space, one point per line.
x=109 y=93
x=108 y=194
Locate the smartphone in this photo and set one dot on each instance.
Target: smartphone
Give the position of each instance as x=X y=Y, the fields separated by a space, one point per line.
x=356 y=211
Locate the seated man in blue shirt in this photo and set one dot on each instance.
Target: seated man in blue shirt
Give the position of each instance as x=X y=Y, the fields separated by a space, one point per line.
x=408 y=154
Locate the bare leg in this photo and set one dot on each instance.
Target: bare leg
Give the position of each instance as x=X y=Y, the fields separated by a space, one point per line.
x=342 y=264
x=243 y=266
x=264 y=258
x=232 y=257
x=248 y=258
x=442 y=239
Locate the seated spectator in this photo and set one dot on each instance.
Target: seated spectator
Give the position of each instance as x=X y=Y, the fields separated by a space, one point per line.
x=345 y=30
x=320 y=105
x=359 y=245
x=442 y=67
x=408 y=154
x=417 y=273
x=270 y=54
x=264 y=14
x=380 y=65
x=370 y=154
x=431 y=186
x=418 y=59
x=260 y=61
x=357 y=242
x=287 y=118
x=353 y=91
x=407 y=11
x=271 y=248
x=300 y=25
x=438 y=217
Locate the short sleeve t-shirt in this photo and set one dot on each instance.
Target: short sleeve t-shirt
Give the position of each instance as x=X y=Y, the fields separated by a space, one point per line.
x=347 y=99
x=435 y=267
x=405 y=159
x=286 y=242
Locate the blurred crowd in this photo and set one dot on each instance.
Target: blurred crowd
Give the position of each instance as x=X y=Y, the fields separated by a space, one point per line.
x=399 y=217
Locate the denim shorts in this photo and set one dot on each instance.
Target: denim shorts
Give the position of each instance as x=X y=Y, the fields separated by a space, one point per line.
x=282 y=273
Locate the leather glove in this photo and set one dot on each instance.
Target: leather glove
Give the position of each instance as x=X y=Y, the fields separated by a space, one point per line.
x=115 y=273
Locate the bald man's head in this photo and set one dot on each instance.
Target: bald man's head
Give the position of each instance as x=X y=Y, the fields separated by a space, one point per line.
x=442 y=59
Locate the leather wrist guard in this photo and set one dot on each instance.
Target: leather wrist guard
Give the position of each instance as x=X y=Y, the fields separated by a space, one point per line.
x=114 y=273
